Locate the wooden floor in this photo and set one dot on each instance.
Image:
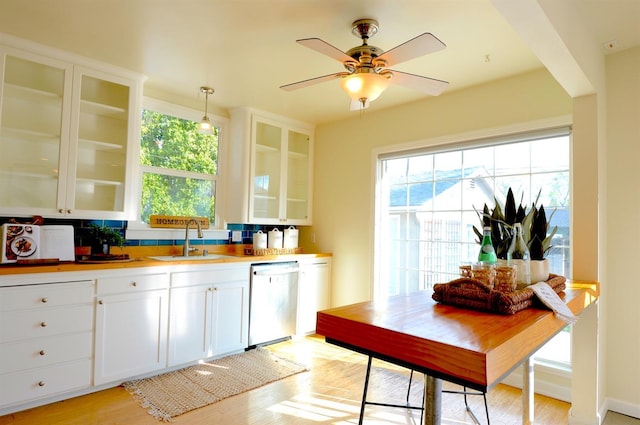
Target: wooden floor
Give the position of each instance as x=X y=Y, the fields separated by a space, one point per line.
x=329 y=393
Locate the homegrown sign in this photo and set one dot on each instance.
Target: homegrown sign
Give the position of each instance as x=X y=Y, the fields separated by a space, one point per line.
x=176 y=221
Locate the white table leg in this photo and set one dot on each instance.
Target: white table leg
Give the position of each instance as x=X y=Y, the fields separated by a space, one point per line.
x=432 y=401
x=527 y=391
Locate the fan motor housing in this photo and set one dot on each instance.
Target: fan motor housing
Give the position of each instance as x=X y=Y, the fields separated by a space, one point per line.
x=365 y=50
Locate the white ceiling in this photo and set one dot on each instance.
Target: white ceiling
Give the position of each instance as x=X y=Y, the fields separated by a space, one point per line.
x=245 y=49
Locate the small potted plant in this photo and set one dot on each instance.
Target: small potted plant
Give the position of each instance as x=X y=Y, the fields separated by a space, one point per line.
x=535 y=232
x=102 y=238
x=501 y=220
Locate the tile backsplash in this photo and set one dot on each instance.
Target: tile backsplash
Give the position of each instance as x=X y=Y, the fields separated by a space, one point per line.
x=81 y=228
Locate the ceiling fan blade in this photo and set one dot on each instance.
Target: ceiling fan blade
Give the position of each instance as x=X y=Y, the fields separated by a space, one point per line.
x=426 y=85
x=419 y=46
x=356 y=105
x=325 y=48
x=312 y=81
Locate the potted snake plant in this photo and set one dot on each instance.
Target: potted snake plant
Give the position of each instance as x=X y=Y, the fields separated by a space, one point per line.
x=539 y=244
x=535 y=231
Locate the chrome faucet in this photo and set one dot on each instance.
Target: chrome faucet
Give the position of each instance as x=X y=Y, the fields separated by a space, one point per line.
x=186 y=249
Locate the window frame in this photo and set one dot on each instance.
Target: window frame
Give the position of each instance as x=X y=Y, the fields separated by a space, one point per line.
x=495 y=137
x=137 y=229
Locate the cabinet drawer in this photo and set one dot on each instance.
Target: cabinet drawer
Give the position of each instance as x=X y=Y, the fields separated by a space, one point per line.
x=37 y=383
x=46 y=295
x=133 y=283
x=26 y=324
x=212 y=276
x=41 y=352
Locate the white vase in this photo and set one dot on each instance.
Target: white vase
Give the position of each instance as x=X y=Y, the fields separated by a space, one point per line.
x=539 y=270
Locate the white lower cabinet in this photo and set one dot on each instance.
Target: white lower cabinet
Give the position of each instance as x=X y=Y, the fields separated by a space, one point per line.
x=45 y=340
x=190 y=324
x=230 y=330
x=91 y=330
x=209 y=313
x=132 y=313
x=314 y=292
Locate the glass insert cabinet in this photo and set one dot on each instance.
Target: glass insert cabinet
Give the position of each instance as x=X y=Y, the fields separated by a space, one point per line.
x=279 y=157
x=65 y=133
x=281 y=179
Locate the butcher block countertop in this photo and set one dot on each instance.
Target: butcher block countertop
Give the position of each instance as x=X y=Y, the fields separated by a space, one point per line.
x=472 y=348
x=139 y=257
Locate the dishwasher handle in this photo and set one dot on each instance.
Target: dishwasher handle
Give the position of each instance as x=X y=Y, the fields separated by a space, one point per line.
x=276 y=271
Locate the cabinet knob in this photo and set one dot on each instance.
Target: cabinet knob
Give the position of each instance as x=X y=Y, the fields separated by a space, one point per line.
x=69 y=211
x=43 y=324
x=61 y=211
x=134 y=284
x=41 y=384
x=100 y=302
x=42 y=352
x=44 y=300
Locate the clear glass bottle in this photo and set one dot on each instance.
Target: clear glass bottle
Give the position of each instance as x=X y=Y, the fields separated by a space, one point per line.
x=518 y=256
x=487 y=254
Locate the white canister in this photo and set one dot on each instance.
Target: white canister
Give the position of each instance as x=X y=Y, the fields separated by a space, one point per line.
x=290 y=237
x=275 y=239
x=259 y=240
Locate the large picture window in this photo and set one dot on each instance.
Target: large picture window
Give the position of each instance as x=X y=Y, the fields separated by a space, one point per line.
x=429 y=202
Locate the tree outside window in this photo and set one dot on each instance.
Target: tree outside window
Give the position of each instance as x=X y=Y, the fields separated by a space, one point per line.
x=179 y=167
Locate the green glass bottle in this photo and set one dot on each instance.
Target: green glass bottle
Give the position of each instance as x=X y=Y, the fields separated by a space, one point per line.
x=487 y=254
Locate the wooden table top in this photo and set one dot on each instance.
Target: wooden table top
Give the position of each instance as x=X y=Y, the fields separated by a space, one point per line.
x=469 y=347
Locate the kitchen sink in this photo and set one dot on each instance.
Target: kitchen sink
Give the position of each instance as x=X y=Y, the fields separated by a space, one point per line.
x=190 y=257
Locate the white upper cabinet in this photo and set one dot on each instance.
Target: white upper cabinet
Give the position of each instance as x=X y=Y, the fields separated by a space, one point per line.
x=67 y=136
x=276 y=155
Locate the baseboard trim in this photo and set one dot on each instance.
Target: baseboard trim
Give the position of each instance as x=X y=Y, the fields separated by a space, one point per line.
x=623 y=407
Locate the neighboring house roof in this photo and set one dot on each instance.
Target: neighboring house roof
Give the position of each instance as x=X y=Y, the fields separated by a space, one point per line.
x=419 y=193
x=447 y=184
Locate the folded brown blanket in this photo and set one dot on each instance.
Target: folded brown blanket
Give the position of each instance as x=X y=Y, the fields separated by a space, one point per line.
x=471 y=293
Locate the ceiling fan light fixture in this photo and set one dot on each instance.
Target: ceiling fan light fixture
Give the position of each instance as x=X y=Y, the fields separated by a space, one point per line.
x=367 y=75
x=365 y=85
x=205 y=126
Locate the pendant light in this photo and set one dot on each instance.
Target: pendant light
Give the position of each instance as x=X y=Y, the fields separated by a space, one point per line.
x=205 y=126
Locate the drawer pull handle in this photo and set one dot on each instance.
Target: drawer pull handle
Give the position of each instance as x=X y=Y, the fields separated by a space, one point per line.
x=42 y=352
x=41 y=384
x=43 y=324
x=45 y=300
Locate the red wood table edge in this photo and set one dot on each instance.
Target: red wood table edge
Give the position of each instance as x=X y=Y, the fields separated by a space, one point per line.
x=375 y=329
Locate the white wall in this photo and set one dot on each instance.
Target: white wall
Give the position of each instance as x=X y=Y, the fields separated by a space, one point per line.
x=622 y=338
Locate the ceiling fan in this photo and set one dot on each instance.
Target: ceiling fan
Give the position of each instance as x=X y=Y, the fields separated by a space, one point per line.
x=367 y=75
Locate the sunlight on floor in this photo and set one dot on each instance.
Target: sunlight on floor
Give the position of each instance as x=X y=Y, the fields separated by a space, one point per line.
x=336 y=411
x=316 y=407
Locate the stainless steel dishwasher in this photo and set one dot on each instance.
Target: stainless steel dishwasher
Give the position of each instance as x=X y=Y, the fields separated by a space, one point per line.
x=273 y=302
